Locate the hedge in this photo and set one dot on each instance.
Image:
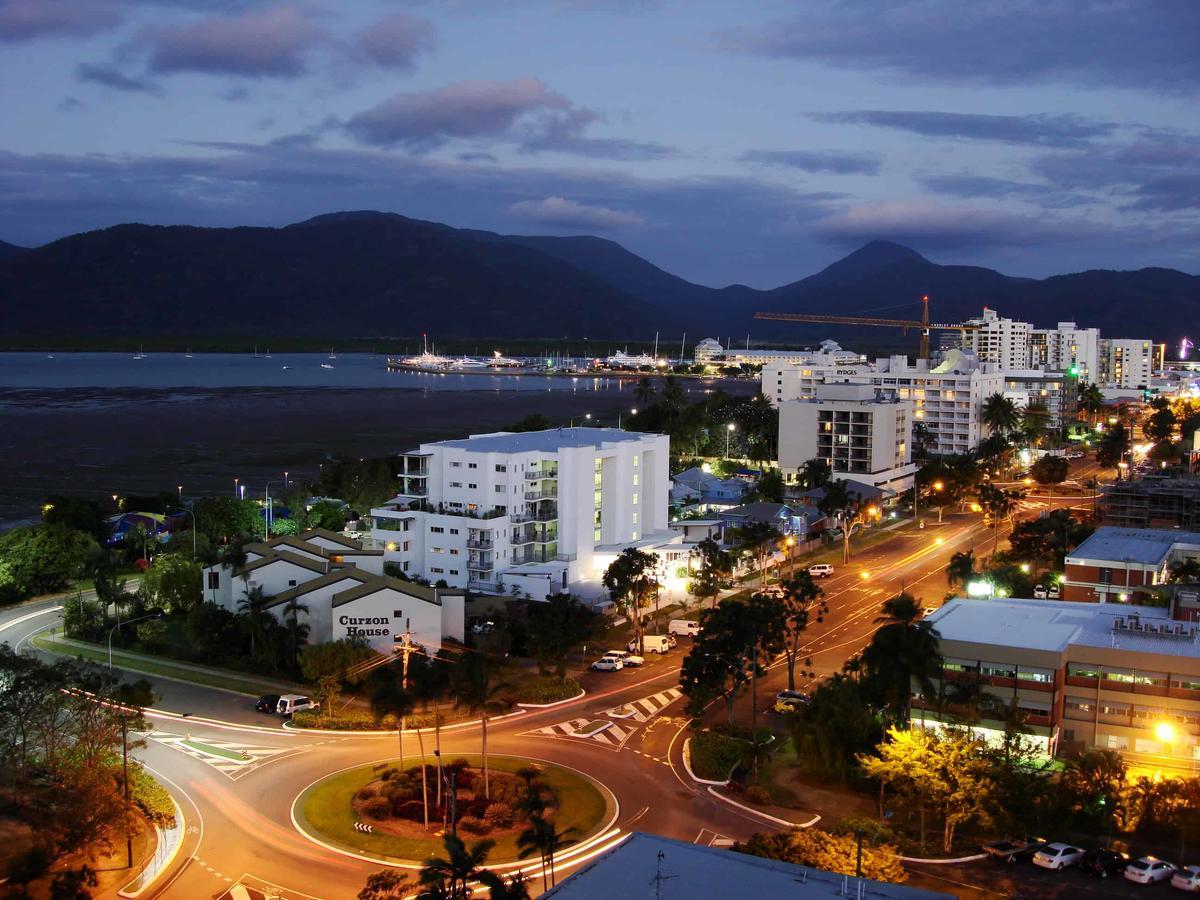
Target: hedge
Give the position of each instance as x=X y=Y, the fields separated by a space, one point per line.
x=548 y=690
x=151 y=798
x=713 y=755
x=360 y=720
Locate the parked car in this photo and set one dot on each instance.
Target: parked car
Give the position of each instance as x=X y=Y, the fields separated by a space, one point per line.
x=786 y=701
x=652 y=643
x=1039 y=592
x=1053 y=592
x=1057 y=856
x=1075 y=454
x=1148 y=870
x=1186 y=878
x=627 y=659
x=294 y=703
x=607 y=664
x=267 y=703
x=1011 y=850
x=685 y=627
x=1103 y=862
x=820 y=570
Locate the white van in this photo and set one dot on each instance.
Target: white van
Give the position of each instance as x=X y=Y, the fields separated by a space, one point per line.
x=293 y=703
x=820 y=570
x=651 y=643
x=684 y=627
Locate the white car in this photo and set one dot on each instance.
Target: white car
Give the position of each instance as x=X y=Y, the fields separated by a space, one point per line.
x=1054 y=592
x=294 y=703
x=626 y=658
x=1057 y=856
x=608 y=664
x=1039 y=592
x=820 y=570
x=1148 y=870
x=1186 y=878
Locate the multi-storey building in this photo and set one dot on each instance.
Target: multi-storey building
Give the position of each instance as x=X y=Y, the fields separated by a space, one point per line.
x=1156 y=501
x=1067 y=346
x=1058 y=392
x=998 y=340
x=539 y=512
x=1078 y=676
x=861 y=432
x=1126 y=362
x=947 y=399
x=1125 y=564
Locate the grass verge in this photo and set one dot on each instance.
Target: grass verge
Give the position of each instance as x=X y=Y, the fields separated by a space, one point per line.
x=325 y=808
x=714 y=755
x=149 y=666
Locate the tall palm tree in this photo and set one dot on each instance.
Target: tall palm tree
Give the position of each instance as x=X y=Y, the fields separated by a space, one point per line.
x=430 y=679
x=541 y=837
x=475 y=686
x=801 y=595
x=961 y=568
x=903 y=651
x=450 y=876
x=813 y=474
x=1091 y=401
x=389 y=697
x=644 y=392
x=516 y=887
x=251 y=608
x=297 y=631
x=673 y=396
x=1000 y=414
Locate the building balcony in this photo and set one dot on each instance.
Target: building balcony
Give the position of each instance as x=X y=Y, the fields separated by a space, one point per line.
x=520 y=518
x=415 y=489
x=539 y=474
x=549 y=494
x=475 y=544
x=480 y=565
x=546 y=515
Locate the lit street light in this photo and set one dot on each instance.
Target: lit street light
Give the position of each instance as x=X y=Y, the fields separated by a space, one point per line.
x=153 y=615
x=235 y=488
x=860 y=520
x=729 y=429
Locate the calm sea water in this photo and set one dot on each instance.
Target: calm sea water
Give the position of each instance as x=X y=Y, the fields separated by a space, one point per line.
x=233 y=370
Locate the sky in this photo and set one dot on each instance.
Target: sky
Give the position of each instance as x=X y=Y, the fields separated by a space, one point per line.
x=749 y=142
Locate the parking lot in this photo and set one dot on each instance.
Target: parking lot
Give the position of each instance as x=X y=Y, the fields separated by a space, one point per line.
x=1022 y=879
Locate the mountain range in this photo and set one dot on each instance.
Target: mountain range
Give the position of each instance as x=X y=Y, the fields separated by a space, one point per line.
x=372 y=274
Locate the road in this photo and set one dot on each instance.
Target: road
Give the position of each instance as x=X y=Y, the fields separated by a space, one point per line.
x=238 y=812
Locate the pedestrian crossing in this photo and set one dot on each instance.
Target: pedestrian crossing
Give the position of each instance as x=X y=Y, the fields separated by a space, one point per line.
x=621 y=722
x=646 y=708
x=230 y=758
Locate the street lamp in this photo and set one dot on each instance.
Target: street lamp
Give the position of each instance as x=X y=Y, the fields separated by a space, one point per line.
x=179 y=490
x=729 y=429
x=632 y=412
x=790 y=543
x=285 y=480
x=191 y=512
x=939 y=486
x=861 y=519
x=153 y=615
x=235 y=488
x=586 y=417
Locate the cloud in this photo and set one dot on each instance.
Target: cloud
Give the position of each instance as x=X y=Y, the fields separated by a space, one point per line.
x=829 y=161
x=27 y=20
x=1120 y=43
x=111 y=77
x=263 y=43
x=71 y=104
x=932 y=226
x=462 y=110
x=1158 y=172
x=395 y=41
x=1037 y=129
x=562 y=213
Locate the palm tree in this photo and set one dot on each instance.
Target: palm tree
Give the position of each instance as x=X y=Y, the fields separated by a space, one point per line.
x=1034 y=422
x=431 y=682
x=813 y=474
x=1091 y=401
x=297 y=632
x=904 y=650
x=1000 y=414
x=255 y=617
x=644 y=392
x=672 y=395
x=961 y=568
x=389 y=697
x=801 y=594
x=449 y=877
x=758 y=539
x=543 y=838
x=515 y=888
x=474 y=683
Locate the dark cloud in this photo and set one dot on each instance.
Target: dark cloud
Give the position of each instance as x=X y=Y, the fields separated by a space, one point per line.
x=933 y=226
x=70 y=105
x=832 y=162
x=263 y=43
x=476 y=156
x=563 y=131
x=1158 y=173
x=558 y=212
x=396 y=41
x=236 y=94
x=27 y=20
x=110 y=76
x=1036 y=130
x=1121 y=43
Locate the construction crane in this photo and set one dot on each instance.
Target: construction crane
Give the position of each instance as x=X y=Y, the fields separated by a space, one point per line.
x=903 y=324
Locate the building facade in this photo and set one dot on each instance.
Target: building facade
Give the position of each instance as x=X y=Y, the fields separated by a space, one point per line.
x=999 y=340
x=536 y=512
x=1126 y=362
x=1079 y=676
x=1156 y=501
x=1067 y=346
x=1125 y=565
x=1058 y=392
x=858 y=430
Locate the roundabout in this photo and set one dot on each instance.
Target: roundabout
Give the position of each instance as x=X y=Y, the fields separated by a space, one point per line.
x=340 y=811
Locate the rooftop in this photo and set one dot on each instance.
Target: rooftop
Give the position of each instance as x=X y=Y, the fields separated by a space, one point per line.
x=1055 y=625
x=548 y=441
x=1141 y=545
x=632 y=870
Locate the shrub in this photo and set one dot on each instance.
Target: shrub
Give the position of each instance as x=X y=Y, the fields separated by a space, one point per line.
x=498 y=815
x=409 y=809
x=377 y=808
x=505 y=787
x=758 y=794
x=151 y=798
x=476 y=807
x=713 y=755
x=824 y=850
x=474 y=825
x=366 y=792
x=397 y=789
x=548 y=690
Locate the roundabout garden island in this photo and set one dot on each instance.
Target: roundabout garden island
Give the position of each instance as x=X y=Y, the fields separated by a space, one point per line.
x=379 y=811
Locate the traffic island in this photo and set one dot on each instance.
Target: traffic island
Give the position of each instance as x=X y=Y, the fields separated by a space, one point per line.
x=377 y=812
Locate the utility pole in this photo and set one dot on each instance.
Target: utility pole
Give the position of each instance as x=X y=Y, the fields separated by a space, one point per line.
x=407 y=648
x=125 y=778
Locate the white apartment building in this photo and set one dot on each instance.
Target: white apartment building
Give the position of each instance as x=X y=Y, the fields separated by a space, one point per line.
x=1126 y=362
x=861 y=432
x=998 y=340
x=1066 y=346
x=707 y=351
x=828 y=353
x=1057 y=391
x=540 y=512
x=947 y=398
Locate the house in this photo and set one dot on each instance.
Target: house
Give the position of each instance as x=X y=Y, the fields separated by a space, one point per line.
x=336 y=587
x=778 y=515
x=861 y=494
x=695 y=487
